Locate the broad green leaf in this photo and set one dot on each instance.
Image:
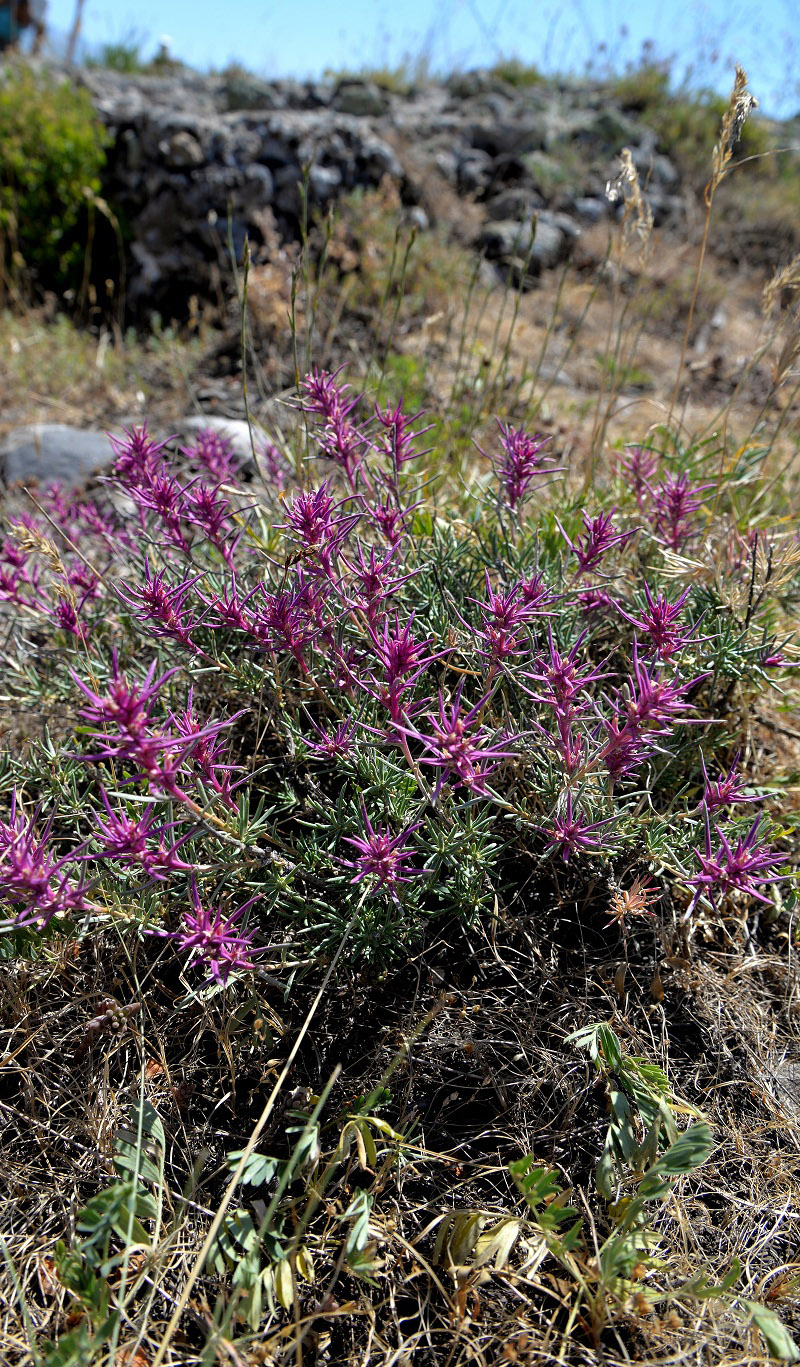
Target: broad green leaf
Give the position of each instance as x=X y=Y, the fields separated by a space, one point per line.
x=690 y=1151
x=146 y=1159
x=496 y=1243
x=457 y=1237
x=779 y=1341
x=283 y=1283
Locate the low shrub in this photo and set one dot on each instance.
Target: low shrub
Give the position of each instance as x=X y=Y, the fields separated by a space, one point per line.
x=52 y=152
x=380 y=708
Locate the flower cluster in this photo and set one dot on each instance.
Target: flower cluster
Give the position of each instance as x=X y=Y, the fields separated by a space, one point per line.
x=436 y=685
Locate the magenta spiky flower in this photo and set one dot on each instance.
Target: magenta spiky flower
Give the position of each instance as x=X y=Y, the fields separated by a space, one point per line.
x=311 y=518
x=660 y=622
x=215 y=452
x=137 y=454
x=215 y=940
x=571 y=834
x=32 y=879
x=563 y=678
x=653 y=700
x=598 y=537
x=402 y=659
x=639 y=466
x=524 y=459
x=458 y=745
x=138 y=843
x=382 y=856
x=335 y=744
x=725 y=791
x=338 y=437
x=744 y=869
x=672 y=514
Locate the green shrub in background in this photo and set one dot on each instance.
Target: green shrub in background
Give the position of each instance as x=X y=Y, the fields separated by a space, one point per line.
x=52 y=151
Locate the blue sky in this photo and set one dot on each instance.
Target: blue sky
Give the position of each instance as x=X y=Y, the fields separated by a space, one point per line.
x=278 y=37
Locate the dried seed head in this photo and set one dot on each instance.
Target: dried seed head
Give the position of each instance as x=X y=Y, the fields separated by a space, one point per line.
x=784 y=282
x=637 y=218
x=740 y=105
x=633 y=901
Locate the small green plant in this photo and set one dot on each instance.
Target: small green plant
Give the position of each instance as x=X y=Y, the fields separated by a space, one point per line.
x=643 y=1159
x=52 y=153
x=124 y=55
x=517 y=73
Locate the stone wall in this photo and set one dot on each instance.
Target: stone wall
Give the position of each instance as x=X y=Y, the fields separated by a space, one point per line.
x=195 y=157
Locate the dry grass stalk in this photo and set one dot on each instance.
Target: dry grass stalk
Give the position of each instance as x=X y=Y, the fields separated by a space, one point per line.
x=637 y=218
x=740 y=105
x=785 y=282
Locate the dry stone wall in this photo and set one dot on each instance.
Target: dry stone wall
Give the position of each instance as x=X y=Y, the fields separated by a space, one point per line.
x=194 y=159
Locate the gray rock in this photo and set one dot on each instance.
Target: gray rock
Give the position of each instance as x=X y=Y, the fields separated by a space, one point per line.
x=181 y=151
x=590 y=209
x=509 y=242
x=52 y=453
x=243 y=91
x=361 y=98
x=189 y=148
x=510 y=137
x=324 y=182
x=518 y=202
x=474 y=171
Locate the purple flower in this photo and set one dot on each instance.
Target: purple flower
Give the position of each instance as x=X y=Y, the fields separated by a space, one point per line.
x=282 y=623
x=744 y=869
x=160 y=758
x=594 y=601
x=229 y=610
x=66 y=615
x=639 y=466
x=458 y=744
x=310 y=517
x=390 y=519
x=335 y=744
x=339 y=439
x=215 y=940
x=724 y=791
x=163 y=495
x=274 y=464
x=660 y=621
x=570 y=833
x=654 y=702
x=215 y=452
x=563 y=677
x=125 y=706
x=536 y=595
x=372 y=578
x=400 y=437
x=207 y=750
x=127 y=841
x=84 y=580
x=161 y=606
x=624 y=750
x=137 y=455
x=32 y=880
x=403 y=659
x=382 y=856
x=673 y=508
x=598 y=537
x=523 y=459
x=208 y=509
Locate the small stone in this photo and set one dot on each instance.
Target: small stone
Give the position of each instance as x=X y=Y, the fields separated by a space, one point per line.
x=53 y=453
x=181 y=151
x=361 y=98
